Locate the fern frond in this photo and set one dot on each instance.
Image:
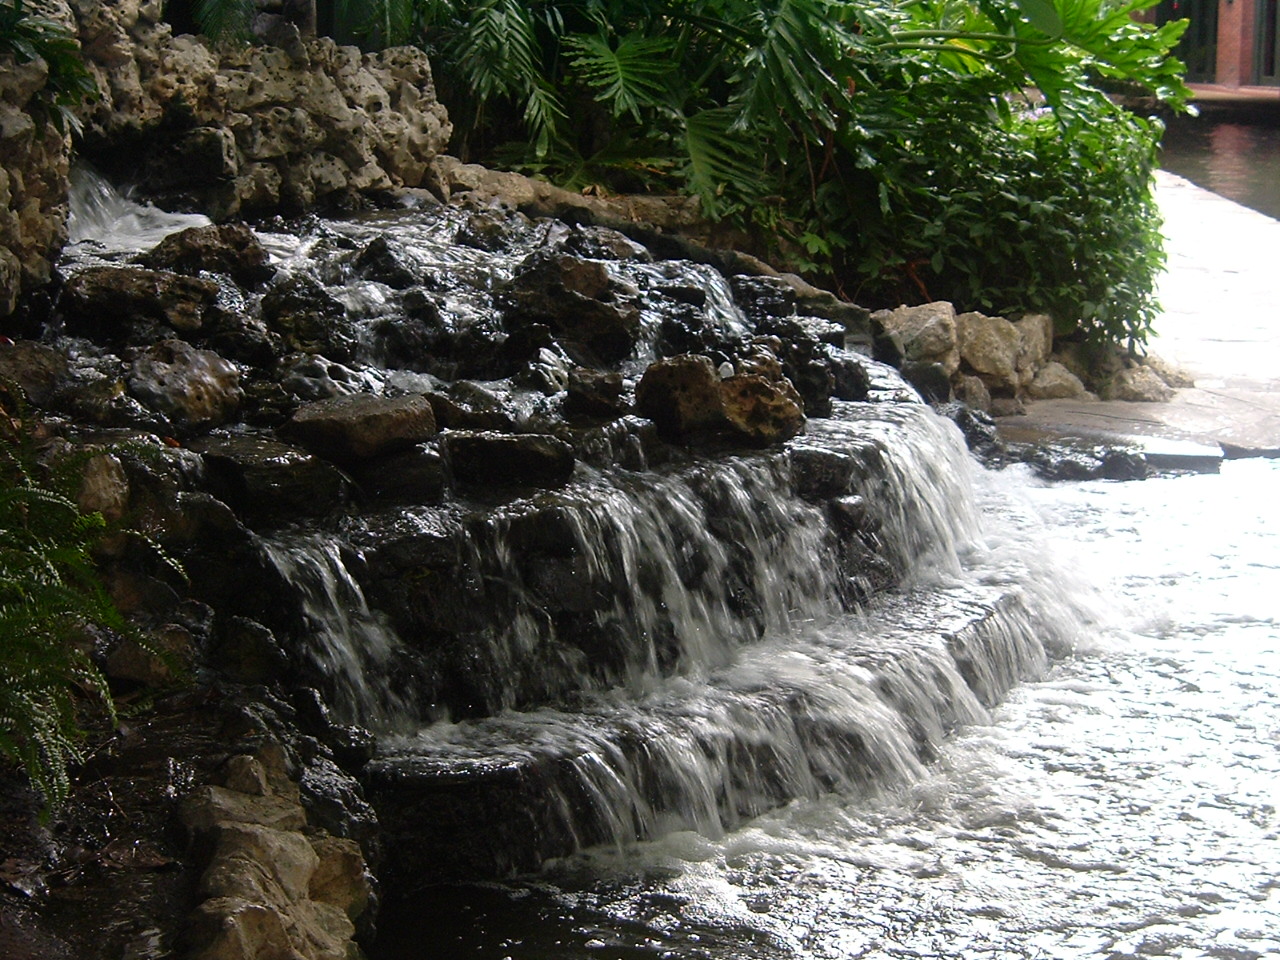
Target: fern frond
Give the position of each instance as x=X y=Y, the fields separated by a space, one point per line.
x=226 y=19
x=627 y=77
x=718 y=158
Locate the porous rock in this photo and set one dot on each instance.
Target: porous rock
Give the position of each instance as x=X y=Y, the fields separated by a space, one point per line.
x=990 y=347
x=192 y=388
x=1054 y=382
x=136 y=305
x=230 y=248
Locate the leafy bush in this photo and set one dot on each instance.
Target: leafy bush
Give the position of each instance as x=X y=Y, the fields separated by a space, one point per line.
x=28 y=36
x=50 y=595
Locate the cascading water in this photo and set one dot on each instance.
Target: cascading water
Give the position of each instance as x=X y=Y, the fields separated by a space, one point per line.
x=711 y=694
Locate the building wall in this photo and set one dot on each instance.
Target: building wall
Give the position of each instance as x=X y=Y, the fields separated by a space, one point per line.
x=1237 y=22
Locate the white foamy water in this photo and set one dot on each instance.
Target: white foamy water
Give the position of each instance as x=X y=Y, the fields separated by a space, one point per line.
x=1123 y=806
x=107 y=221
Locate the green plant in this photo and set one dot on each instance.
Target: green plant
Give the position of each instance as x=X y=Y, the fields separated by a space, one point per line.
x=27 y=36
x=51 y=601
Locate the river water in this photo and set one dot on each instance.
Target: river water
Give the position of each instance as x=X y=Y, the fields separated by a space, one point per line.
x=1237 y=160
x=1123 y=806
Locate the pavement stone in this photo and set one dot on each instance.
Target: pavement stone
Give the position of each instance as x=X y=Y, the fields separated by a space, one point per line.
x=1220 y=322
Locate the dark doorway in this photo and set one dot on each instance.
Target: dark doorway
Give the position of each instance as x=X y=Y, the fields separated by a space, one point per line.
x=1198 y=48
x=1268 y=52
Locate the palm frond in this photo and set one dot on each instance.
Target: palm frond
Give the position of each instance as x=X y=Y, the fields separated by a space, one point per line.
x=226 y=19
x=628 y=77
x=718 y=158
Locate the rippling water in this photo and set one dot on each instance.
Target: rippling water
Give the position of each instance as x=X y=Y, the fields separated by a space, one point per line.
x=1122 y=807
x=1240 y=161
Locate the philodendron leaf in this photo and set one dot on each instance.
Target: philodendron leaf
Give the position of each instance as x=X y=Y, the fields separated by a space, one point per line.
x=1043 y=15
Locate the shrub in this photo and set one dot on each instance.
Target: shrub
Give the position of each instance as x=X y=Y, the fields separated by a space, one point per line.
x=27 y=36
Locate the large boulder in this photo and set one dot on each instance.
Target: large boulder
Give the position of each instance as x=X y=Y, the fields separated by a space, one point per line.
x=361 y=426
x=1055 y=382
x=265 y=478
x=1139 y=385
x=1035 y=345
x=990 y=346
x=38 y=370
x=926 y=333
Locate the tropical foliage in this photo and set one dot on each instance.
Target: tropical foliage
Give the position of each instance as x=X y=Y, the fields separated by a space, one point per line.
x=889 y=146
x=26 y=36
x=52 y=601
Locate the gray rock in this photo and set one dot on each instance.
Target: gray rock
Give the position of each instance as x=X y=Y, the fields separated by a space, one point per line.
x=990 y=346
x=1138 y=385
x=1054 y=382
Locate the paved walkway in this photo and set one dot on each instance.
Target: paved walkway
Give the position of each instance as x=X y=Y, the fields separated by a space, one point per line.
x=1221 y=322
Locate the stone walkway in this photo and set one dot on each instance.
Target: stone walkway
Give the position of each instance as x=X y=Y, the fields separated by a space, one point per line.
x=1221 y=323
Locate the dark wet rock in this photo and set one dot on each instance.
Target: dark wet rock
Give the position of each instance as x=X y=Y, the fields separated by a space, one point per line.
x=361 y=426
x=193 y=389
x=249 y=652
x=978 y=427
x=682 y=396
x=431 y=338
x=503 y=459
x=268 y=480
x=849 y=377
x=105 y=402
x=594 y=316
x=973 y=393
x=308 y=319
x=335 y=801
x=383 y=261
x=230 y=248
x=38 y=370
x=491 y=230
x=819 y=473
x=596 y=394
x=136 y=306
x=468 y=406
x=1076 y=460
x=602 y=243
x=929 y=379
x=763 y=297
x=315 y=377
x=413 y=476
x=243 y=337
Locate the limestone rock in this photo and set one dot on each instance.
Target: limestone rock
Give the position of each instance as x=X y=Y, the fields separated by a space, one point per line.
x=361 y=426
x=192 y=388
x=1035 y=345
x=227 y=248
x=136 y=305
x=1138 y=384
x=231 y=928
x=926 y=333
x=763 y=411
x=682 y=396
x=488 y=457
x=1172 y=374
x=341 y=878
x=973 y=393
x=595 y=393
x=1053 y=382
x=990 y=346
x=259 y=863
x=206 y=808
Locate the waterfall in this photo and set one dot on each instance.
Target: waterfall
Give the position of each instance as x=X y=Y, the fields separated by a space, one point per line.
x=107 y=221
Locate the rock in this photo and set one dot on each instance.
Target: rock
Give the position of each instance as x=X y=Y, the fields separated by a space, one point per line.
x=270 y=480
x=1139 y=385
x=104 y=487
x=1007 y=407
x=596 y=394
x=929 y=379
x=761 y=297
x=413 y=476
x=926 y=333
x=973 y=393
x=504 y=459
x=38 y=370
x=127 y=661
x=819 y=473
x=578 y=301
x=231 y=928
x=259 y=863
x=990 y=346
x=979 y=429
x=383 y=262
x=361 y=426
x=682 y=396
x=135 y=305
x=341 y=878
x=762 y=411
x=192 y=388
x=849 y=377
x=1055 y=382
x=602 y=243
x=308 y=319
x=1035 y=345
x=227 y=248
x=209 y=807
x=1172 y=374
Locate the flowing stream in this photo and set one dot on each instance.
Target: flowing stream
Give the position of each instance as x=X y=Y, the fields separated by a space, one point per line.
x=847 y=697
x=1122 y=806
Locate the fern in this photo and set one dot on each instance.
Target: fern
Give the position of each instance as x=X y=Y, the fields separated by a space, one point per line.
x=226 y=19
x=52 y=600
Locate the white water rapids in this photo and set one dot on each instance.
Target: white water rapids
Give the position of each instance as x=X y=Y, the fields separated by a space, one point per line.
x=1122 y=807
